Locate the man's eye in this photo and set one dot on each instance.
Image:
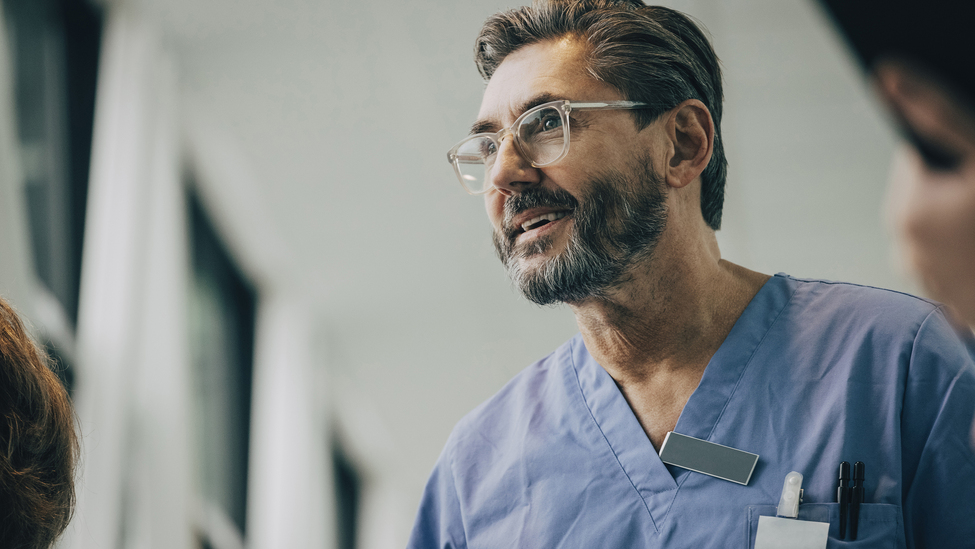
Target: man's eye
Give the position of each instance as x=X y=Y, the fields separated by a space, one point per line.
x=488 y=148
x=551 y=123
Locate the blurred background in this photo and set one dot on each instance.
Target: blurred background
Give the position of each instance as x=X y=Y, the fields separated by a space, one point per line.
x=233 y=224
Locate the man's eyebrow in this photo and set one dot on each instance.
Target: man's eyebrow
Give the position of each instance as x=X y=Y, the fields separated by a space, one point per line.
x=487 y=126
x=483 y=126
x=538 y=100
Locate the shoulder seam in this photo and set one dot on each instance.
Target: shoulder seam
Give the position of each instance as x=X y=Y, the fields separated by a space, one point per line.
x=867 y=286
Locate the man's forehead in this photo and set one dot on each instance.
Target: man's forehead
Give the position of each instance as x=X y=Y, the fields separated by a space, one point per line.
x=534 y=74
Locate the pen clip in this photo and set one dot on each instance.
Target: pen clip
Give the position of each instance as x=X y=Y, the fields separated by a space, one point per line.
x=791 y=496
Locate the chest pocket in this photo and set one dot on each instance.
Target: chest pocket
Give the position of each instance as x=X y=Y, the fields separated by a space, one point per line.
x=880 y=524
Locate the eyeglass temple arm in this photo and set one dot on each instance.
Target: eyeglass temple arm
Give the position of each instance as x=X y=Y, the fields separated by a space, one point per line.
x=605 y=105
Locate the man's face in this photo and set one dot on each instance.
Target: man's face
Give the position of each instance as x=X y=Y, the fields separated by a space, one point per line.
x=932 y=194
x=568 y=231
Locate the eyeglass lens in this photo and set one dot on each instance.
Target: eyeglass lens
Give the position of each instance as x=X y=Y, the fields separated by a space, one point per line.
x=542 y=139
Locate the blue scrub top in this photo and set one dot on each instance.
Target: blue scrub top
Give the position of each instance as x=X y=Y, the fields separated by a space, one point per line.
x=813 y=373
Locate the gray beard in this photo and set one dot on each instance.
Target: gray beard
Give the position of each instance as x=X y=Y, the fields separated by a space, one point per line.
x=617 y=225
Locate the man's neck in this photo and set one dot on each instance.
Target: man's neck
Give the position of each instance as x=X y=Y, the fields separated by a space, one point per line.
x=667 y=318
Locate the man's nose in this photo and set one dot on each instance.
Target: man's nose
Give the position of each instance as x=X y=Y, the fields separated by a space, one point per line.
x=512 y=173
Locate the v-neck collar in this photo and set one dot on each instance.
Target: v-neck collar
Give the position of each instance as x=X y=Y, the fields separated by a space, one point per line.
x=657 y=483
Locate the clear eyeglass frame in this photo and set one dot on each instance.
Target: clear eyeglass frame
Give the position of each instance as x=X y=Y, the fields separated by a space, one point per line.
x=474 y=155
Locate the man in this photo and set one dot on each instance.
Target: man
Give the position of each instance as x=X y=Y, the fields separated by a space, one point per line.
x=598 y=152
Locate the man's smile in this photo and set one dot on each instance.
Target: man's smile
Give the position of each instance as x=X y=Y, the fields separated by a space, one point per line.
x=543 y=219
x=535 y=213
x=535 y=224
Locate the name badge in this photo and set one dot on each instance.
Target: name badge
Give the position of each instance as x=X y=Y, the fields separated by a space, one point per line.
x=705 y=457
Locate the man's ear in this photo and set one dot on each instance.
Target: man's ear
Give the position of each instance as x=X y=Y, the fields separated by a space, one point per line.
x=691 y=132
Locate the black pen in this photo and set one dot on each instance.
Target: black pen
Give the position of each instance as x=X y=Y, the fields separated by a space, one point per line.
x=843 y=496
x=857 y=498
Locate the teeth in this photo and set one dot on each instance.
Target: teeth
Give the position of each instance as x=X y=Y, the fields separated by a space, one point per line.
x=530 y=224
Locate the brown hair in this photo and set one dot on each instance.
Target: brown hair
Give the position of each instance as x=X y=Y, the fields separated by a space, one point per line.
x=649 y=53
x=38 y=443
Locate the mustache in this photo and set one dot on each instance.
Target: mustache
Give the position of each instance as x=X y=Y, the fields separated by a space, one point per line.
x=535 y=197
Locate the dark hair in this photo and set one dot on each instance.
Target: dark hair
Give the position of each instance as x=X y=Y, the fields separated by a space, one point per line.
x=651 y=54
x=38 y=444
x=937 y=38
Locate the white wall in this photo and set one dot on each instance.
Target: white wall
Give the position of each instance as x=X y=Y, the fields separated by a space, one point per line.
x=807 y=146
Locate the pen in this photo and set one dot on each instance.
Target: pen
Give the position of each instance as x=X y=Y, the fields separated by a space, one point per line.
x=856 y=499
x=843 y=495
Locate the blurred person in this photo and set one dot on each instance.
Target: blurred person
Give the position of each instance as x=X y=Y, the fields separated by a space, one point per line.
x=921 y=58
x=931 y=199
x=599 y=155
x=38 y=443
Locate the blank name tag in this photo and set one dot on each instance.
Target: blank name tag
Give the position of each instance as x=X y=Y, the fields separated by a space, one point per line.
x=785 y=533
x=701 y=456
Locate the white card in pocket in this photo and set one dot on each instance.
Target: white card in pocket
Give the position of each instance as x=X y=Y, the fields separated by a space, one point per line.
x=787 y=533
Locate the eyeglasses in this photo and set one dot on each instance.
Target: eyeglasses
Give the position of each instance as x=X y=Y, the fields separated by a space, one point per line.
x=540 y=133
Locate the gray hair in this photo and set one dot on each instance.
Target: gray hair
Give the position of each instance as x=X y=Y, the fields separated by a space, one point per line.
x=649 y=53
